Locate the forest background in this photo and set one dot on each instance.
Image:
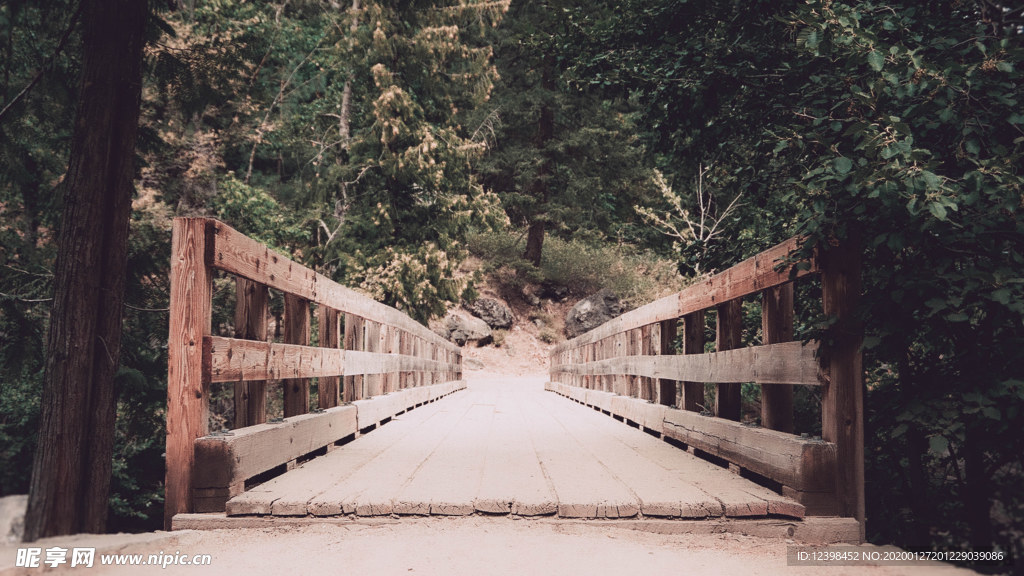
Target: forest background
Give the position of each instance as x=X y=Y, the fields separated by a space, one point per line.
x=381 y=142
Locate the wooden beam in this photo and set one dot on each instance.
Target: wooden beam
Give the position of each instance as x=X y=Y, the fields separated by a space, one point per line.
x=693 y=343
x=296 y=331
x=729 y=333
x=748 y=277
x=187 y=394
x=229 y=359
x=330 y=337
x=801 y=463
x=667 y=386
x=785 y=363
x=776 y=327
x=842 y=402
x=226 y=460
x=353 y=341
x=240 y=255
x=373 y=380
x=251 y=309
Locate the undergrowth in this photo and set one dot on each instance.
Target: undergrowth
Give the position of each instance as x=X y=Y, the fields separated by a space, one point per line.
x=636 y=276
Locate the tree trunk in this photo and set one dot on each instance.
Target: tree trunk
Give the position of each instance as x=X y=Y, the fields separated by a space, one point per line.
x=545 y=132
x=71 y=472
x=534 y=243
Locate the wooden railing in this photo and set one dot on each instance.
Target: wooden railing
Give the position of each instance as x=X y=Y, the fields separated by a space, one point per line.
x=632 y=357
x=385 y=354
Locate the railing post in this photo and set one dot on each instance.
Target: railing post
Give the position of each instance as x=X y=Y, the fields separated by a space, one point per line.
x=693 y=343
x=187 y=394
x=372 y=344
x=777 y=327
x=649 y=335
x=330 y=328
x=353 y=341
x=666 y=387
x=842 y=403
x=296 y=331
x=251 y=309
x=728 y=336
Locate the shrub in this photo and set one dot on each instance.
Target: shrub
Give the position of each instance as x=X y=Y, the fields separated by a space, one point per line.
x=636 y=276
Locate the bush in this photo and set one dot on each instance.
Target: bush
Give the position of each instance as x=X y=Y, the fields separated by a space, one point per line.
x=637 y=277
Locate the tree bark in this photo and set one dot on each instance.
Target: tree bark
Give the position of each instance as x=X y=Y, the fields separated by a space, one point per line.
x=534 y=243
x=545 y=132
x=71 y=471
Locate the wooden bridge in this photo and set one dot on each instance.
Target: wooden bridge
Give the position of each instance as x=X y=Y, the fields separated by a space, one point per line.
x=618 y=430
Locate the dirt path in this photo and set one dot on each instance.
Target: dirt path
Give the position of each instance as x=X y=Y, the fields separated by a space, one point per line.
x=457 y=546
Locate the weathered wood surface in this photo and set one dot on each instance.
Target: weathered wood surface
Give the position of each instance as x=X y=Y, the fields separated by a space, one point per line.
x=776 y=327
x=842 y=402
x=187 y=396
x=800 y=463
x=508 y=447
x=251 y=310
x=230 y=359
x=693 y=343
x=785 y=363
x=296 y=332
x=748 y=277
x=238 y=254
x=223 y=461
x=667 y=388
x=329 y=328
x=728 y=336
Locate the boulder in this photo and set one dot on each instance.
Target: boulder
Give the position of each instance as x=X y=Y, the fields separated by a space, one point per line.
x=554 y=292
x=462 y=328
x=591 y=312
x=472 y=364
x=12 y=518
x=494 y=312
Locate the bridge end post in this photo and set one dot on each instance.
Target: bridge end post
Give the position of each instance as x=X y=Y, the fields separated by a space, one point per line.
x=842 y=374
x=190 y=322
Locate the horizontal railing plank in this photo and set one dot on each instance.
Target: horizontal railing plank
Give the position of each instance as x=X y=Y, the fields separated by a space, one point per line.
x=240 y=255
x=748 y=277
x=785 y=363
x=233 y=360
x=800 y=463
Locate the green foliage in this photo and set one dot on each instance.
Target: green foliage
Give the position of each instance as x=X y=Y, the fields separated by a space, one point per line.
x=891 y=124
x=636 y=276
x=257 y=214
x=559 y=157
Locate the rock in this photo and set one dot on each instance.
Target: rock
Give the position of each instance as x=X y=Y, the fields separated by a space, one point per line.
x=554 y=292
x=591 y=312
x=472 y=364
x=464 y=328
x=495 y=313
x=12 y=517
x=538 y=323
x=529 y=297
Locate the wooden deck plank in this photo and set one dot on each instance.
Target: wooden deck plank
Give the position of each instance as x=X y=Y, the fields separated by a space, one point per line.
x=289 y=494
x=510 y=448
x=584 y=486
x=449 y=480
x=662 y=490
x=371 y=490
x=513 y=481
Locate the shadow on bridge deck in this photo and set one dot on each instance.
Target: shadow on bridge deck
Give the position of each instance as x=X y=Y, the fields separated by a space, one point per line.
x=504 y=446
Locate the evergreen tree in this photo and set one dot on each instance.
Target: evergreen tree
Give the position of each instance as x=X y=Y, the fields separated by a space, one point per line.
x=563 y=160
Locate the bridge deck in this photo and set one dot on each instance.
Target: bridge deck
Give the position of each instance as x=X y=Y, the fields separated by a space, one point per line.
x=505 y=446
